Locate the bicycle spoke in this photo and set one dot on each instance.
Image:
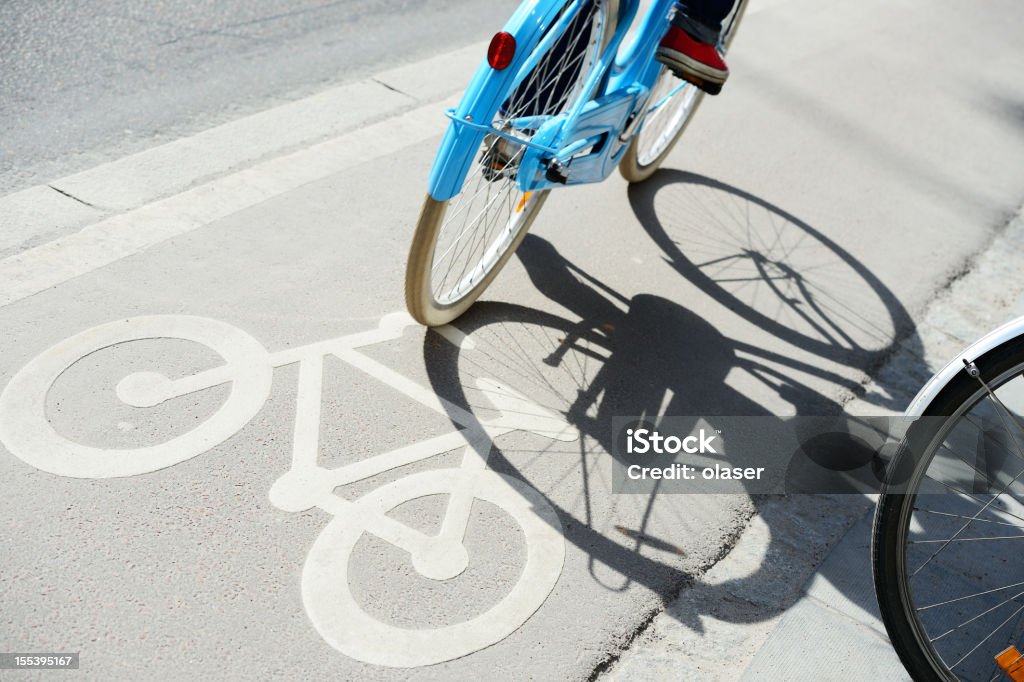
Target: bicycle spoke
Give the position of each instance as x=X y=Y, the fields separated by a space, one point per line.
x=988 y=637
x=665 y=120
x=988 y=479
x=1000 y=537
x=983 y=613
x=969 y=596
x=484 y=219
x=960 y=516
x=991 y=396
x=965 y=494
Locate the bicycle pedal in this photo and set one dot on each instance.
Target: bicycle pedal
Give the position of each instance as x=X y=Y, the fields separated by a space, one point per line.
x=699 y=83
x=711 y=88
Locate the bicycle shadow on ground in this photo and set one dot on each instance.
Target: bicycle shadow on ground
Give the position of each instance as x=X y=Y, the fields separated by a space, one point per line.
x=774 y=270
x=648 y=355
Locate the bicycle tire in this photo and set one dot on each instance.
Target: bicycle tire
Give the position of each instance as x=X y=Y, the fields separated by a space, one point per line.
x=507 y=213
x=664 y=127
x=894 y=515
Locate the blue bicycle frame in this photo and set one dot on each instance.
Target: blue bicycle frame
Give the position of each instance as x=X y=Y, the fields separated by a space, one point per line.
x=586 y=139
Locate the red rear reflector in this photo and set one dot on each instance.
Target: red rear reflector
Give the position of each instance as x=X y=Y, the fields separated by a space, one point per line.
x=501 y=50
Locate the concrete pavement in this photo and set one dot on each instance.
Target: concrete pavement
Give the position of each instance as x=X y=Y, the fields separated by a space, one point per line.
x=878 y=186
x=81 y=85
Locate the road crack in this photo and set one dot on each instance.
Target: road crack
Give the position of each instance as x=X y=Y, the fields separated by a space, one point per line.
x=72 y=196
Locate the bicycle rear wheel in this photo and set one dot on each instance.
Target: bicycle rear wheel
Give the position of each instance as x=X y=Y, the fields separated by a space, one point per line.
x=949 y=525
x=665 y=123
x=461 y=243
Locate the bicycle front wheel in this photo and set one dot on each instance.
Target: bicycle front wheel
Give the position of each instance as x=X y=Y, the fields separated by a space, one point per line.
x=461 y=243
x=945 y=543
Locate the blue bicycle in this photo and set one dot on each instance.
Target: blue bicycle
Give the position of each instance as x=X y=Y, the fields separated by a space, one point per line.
x=560 y=100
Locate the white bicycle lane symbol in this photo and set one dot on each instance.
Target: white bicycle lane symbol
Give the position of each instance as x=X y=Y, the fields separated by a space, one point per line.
x=327 y=597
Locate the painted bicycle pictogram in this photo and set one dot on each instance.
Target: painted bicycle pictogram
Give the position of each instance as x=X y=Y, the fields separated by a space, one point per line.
x=248 y=367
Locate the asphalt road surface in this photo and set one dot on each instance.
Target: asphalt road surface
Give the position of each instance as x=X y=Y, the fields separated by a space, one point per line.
x=241 y=527
x=87 y=82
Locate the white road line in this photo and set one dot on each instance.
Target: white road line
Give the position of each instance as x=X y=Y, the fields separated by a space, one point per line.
x=43 y=212
x=167 y=169
x=170 y=168
x=110 y=240
x=37 y=212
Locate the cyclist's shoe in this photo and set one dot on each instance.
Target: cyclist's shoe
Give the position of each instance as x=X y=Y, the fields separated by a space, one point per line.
x=692 y=60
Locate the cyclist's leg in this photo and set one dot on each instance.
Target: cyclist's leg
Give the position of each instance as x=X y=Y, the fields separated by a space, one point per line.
x=689 y=47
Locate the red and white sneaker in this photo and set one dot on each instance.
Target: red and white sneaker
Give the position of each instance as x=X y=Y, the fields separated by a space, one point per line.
x=692 y=60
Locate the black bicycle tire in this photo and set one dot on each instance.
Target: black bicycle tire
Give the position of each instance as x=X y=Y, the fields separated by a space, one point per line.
x=886 y=546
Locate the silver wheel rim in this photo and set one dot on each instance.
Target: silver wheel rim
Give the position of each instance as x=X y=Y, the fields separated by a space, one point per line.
x=661 y=125
x=484 y=219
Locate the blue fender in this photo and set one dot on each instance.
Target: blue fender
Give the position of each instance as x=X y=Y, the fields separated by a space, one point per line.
x=483 y=97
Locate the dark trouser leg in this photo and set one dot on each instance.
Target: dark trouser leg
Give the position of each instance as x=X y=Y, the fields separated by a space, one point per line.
x=703 y=19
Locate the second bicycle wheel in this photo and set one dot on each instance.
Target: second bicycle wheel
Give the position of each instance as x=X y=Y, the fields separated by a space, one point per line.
x=945 y=545
x=461 y=243
x=662 y=127
x=667 y=120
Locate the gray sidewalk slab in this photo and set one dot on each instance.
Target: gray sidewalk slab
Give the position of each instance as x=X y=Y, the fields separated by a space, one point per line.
x=717 y=627
x=833 y=632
